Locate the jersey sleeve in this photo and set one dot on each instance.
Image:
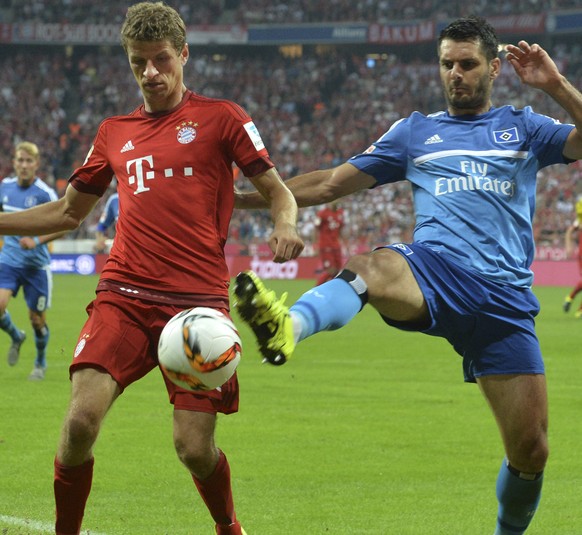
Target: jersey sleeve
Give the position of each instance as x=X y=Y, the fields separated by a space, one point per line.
x=95 y=175
x=386 y=158
x=548 y=137
x=52 y=195
x=244 y=141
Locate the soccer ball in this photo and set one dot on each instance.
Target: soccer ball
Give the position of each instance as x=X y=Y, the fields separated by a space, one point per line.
x=199 y=349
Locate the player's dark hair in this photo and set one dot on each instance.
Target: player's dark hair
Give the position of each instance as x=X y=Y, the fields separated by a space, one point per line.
x=475 y=29
x=153 y=21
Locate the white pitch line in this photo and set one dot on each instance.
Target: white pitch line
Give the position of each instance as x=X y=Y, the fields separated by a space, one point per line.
x=37 y=527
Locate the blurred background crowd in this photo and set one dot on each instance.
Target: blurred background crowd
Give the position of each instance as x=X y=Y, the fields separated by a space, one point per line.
x=313 y=110
x=273 y=11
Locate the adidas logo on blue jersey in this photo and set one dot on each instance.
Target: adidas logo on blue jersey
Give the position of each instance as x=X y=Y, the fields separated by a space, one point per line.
x=433 y=139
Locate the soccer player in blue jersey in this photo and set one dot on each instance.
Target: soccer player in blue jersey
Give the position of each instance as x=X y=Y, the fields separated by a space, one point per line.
x=466 y=276
x=108 y=219
x=25 y=260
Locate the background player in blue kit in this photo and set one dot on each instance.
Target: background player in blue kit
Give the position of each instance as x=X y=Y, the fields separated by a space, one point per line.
x=108 y=219
x=25 y=260
x=466 y=277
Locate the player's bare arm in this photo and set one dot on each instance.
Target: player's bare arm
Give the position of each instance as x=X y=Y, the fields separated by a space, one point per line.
x=59 y=216
x=327 y=185
x=316 y=187
x=284 y=240
x=30 y=242
x=536 y=68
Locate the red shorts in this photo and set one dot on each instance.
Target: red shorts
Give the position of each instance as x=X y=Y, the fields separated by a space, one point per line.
x=121 y=337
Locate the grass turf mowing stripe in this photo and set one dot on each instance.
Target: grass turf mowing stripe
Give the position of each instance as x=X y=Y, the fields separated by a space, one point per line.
x=36 y=527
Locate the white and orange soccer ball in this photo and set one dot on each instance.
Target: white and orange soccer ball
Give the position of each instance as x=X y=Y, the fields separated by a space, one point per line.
x=199 y=349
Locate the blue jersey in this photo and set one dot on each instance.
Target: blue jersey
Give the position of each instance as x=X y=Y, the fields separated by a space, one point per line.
x=474 y=182
x=15 y=198
x=110 y=213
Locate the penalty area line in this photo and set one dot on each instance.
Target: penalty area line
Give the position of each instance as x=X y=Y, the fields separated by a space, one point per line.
x=34 y=526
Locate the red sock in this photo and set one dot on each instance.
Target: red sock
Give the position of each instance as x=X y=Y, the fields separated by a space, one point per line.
x=577 y=289
x=217 y=495
x=72 y=486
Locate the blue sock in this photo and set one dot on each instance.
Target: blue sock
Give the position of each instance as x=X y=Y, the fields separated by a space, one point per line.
x=7 y=326
x=41 y=338
x=327 y=307
x=518 y=500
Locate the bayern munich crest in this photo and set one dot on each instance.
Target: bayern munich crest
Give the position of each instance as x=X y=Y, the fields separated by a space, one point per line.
x=187 y=132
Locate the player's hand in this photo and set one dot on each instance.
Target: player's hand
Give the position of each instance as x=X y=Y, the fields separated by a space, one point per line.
x=26 y=242
x=285 y=243
x=533 y=65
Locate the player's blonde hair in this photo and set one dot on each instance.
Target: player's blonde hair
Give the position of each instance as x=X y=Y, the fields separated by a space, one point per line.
x=29 y=147
x=153 y=21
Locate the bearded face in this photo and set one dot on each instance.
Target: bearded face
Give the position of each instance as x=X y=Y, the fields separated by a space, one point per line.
x=467 y=77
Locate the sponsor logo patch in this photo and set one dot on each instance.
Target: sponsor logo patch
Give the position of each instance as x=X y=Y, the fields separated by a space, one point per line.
x=254 y=135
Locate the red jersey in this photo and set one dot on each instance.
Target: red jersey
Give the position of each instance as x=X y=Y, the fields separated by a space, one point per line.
x=330 y=224
x=175 y=185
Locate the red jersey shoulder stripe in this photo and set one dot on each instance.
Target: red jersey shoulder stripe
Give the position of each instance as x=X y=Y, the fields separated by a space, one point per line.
x=234 y=109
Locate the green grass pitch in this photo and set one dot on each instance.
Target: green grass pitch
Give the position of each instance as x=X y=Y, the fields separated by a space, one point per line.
x=366 y=431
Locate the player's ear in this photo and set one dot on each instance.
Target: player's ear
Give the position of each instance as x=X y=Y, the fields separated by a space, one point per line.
x=185 y=54
x=494 y=68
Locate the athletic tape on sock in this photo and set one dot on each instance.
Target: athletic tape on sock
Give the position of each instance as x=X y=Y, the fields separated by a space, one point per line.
x=356 y=282
x=524 y=475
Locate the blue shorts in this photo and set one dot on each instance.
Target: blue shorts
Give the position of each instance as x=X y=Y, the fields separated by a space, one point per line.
x=491 y=325
x=36 y=283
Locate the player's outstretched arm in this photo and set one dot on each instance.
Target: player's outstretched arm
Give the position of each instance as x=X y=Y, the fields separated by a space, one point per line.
x=327 y=185
x=284 y=240
x=316 y=187
x=64 y=214
x=31 y=242
x=537 y=69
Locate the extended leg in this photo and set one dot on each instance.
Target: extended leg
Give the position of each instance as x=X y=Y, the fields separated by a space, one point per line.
x=383 y=278
x=519 y=403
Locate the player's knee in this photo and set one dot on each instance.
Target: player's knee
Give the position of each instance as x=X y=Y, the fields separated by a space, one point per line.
x=362 y=265
x=529 y=454
x=199 y=458
x=37 y=323
x=382 y=270
x=81 y=429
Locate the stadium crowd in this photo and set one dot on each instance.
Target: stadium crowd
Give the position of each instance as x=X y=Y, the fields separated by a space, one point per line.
x=205 y=12
x=313 y=111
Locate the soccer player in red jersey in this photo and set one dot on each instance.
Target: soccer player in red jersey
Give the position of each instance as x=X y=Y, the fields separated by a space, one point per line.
x=172 y=158
x=575 y=229
x=329 y=224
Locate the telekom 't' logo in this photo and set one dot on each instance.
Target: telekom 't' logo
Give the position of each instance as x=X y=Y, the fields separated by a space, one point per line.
x=140 y=174
x=142 y=169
